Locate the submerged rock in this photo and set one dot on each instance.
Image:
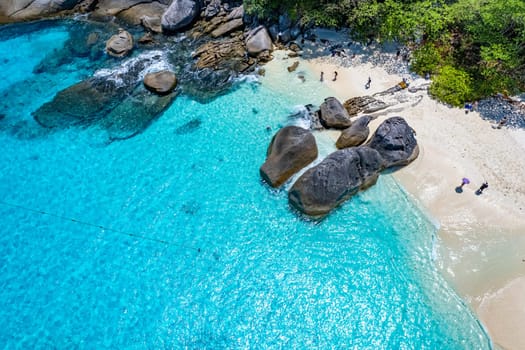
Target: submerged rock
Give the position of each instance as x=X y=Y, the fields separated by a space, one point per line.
x=395 y=140
x=339 y=176
x=290 y=150
x=333 y=114
x=135 y=113
x=114 y=100
x=356 y=134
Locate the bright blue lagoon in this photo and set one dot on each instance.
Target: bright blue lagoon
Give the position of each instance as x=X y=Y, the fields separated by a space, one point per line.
x=170 y=240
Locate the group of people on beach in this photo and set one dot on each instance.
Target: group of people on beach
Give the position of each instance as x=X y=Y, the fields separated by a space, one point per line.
x=322 y=76
x=466 y=181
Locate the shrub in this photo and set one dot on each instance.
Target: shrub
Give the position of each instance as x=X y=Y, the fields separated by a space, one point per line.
x=426 y=59
x=452 y=86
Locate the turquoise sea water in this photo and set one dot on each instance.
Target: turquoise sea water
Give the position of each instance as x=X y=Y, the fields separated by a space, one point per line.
x=170 y=240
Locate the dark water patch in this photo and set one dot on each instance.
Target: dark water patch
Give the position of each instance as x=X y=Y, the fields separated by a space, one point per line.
x=25 y=130
x=84 y=47
x=190 y=127
x=13 y=30
x=216 y=256
x=2 y=116
x=190 y=208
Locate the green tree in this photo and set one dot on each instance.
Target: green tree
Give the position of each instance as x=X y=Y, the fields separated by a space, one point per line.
x=452 y=86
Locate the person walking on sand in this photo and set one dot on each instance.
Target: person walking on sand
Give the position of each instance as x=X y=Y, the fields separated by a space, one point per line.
x=335 y=76
x=482 y=187
x=322 y=76
x=464 y=181
x=367 y=86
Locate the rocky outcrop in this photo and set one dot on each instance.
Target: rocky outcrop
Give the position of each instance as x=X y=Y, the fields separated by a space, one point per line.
x=223 y=54
x=228 y=27
x=115 y=100
x=161 y=83
x=356 y=134
x=345 y=172
x=120 y=44
x=224 y=21
x=284 y=31
x=339 y=176
x=20 y=10
x=257 y=41
x=333 y=114
x=290 y=150
x=293 y=67
x=395 y=140
x=147 y=14
x=179 y=15
x=363 y=104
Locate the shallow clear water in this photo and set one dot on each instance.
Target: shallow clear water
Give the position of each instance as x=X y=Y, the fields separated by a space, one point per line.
x=170 y=240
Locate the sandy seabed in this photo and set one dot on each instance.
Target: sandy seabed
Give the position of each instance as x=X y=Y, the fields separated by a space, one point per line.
x=481 y=238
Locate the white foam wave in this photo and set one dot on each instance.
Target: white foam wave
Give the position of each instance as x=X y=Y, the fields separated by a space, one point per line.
x=155 y=61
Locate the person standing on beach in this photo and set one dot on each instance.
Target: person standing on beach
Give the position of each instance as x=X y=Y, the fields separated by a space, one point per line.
x=322 y=76
x=482 y=187
x=335 y=76
x=367 y=86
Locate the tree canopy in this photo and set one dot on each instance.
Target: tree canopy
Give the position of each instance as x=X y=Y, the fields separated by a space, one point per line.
x=479 y=41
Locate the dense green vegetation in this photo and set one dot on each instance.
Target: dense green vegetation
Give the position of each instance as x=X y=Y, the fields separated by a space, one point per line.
x=473 y=48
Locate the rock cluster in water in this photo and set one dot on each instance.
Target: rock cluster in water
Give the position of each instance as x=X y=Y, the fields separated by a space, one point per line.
x=204 y=46
x=354 y=167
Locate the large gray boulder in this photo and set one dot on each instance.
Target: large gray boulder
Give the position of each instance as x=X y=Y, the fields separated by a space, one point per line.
x=258 y=40
x=339 y=176
x=395 y=140
x=333 y=114
x=34 y=9
x=356 y=134
x=180 y=14
x=147 y=14
x=290 y=150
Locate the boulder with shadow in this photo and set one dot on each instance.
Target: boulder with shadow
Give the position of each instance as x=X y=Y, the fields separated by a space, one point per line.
x=395 y=140
x=356 y=134
x=120 y=44
x=161 y=82
x=179 y=15
x=333 y=114
x=339 y=176
x=291 y=149
x=258 y=41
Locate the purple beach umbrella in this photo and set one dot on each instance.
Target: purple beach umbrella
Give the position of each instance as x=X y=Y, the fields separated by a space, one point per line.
x=465 y=181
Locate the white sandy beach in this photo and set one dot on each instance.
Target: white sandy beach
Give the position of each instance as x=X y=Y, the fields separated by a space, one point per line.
x=481 y=238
